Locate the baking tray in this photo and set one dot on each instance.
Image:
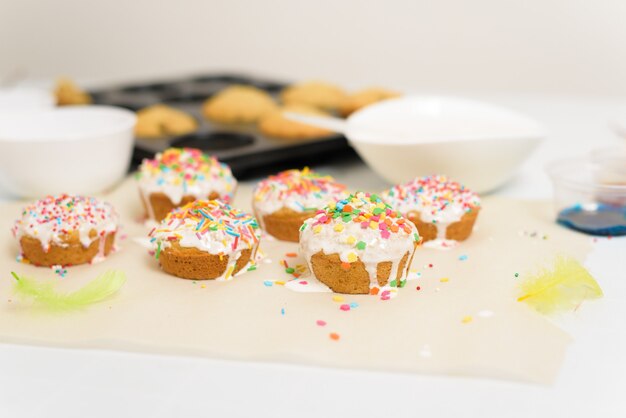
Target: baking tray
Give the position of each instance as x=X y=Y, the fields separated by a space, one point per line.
x=244 y=148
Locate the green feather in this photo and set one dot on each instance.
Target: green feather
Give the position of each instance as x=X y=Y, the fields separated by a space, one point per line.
x=45 y=295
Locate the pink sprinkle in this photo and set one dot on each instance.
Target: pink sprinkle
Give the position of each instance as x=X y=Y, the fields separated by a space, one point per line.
x=303 y=282
x=385 y=234
x=345 y=307
x=386 y=295
x=365 y=225
x=320 y=323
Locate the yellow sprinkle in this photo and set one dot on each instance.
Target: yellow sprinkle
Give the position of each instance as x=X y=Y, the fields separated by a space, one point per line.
x=467 y=319
x=351 y=240
x=229 y=271
x=317 y=229
x=352 y=257
x=338 y=228
x=279 y=282
x=337 y=298
x=373 y=225
x=203 y=286
x=444 y=280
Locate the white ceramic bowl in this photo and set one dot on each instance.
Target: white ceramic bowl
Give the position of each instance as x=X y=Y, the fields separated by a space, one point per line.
x=77 y=149
x=475 y=143
x=25 y=98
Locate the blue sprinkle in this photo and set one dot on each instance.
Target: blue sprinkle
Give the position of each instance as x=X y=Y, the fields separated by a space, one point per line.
x=282 y=311
x=463 y=257
x=354 y=305
x=268 y=283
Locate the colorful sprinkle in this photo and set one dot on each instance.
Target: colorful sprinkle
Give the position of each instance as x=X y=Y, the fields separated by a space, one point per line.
x=320 y=323
x=334 y=336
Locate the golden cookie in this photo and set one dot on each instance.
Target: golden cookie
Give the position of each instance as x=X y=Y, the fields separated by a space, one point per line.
x=314 y=93
x=161 y=120
x=276 y=125
x=366 y=97
x=68 y=93
x=238 y=104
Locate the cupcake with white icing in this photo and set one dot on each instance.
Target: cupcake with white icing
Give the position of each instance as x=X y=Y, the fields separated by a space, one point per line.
x=178 y=176
x=443 y=210
x=282 y=202
x=206 y=240
x=359 y=245
x=66 y=230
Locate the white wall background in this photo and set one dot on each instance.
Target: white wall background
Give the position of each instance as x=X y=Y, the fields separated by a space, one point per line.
x=552 y=46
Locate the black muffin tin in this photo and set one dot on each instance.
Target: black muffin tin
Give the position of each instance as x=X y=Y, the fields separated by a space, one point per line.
x=244 y=148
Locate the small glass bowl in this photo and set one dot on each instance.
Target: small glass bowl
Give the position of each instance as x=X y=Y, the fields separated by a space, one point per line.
x=590 y=193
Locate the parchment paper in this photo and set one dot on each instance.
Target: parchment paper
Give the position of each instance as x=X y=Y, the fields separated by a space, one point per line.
x=468 y=325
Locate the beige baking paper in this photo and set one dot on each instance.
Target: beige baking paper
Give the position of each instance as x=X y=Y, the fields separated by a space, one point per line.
x=468 y=324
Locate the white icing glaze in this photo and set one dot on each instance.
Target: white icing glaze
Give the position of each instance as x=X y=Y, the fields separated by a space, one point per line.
x=53 y=219
x=342 y=237
x=298 y=190
x=181 y=172
x=212 y=227
x=436 y=200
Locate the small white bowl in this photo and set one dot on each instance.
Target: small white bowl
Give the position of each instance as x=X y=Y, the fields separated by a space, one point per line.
x=77 y=149
x=25 y=98
x=478 y=144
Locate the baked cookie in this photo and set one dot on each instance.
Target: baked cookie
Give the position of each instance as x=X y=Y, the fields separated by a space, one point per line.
x=66 y=230
x=178 y=176
x=443 y=210
x=282 y=202
x=160 y=120
x=206 y=240
x=238 y=104
x=359 y=245
x=276 y=125
x=360 y=99
x=68 y=93
x=316 y=94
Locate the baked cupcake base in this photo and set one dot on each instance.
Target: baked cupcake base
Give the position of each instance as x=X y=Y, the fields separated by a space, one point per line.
x=159 y=204
x=353 y=278
x=191 y=263
x=285 y=223
x=456 y=231
x=72 y=254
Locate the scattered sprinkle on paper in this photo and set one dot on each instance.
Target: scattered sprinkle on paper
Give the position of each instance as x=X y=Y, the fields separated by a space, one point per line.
x=467 y=319
x=463 y=257
x=320 y=323
x=334 y=336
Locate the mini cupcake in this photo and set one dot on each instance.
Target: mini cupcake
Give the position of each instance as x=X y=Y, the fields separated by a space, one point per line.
x=206 y=240
x=443 y=211
x=178 y=176
x=66 y=230
x=359 y=245
x=282 y=202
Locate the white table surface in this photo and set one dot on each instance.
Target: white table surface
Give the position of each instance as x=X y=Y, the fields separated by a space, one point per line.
x=53 y=382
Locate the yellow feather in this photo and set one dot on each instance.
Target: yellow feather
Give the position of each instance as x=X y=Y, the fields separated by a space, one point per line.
x=563 y=287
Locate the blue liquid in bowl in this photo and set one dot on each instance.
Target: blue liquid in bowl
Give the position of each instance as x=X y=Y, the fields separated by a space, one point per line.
x=600 y=219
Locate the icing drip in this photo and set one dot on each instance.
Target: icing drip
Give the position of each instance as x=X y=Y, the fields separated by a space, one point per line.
x=177 y=172
x=298 y=190
x=360 y=227
x=210 y=226
x=55 y=219
x=436 y=199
